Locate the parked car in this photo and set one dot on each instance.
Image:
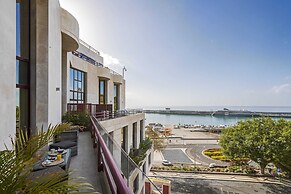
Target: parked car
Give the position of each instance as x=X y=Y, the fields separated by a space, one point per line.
x=213 y=165
x=167 y=163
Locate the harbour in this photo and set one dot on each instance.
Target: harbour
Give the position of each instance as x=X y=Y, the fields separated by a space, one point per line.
x=224 y=112
x=212 y=115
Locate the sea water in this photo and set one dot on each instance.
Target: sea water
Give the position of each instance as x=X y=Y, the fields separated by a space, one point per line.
x=207 y=119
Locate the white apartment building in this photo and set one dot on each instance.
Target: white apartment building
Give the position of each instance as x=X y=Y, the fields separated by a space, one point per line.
x=46 y=68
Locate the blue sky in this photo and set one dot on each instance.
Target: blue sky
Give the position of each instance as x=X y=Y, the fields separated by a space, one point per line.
x=193 y=53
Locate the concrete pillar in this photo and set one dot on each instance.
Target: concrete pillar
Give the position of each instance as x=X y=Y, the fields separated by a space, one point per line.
x=116 y=148
x=110 y=92
x=97 y=100
x=8 y=68
x=137 y=134
x=65 y=82
x=142 y=130
x=134 y=136
x=39 y=64
x=92 y=85
x=126 y=140
x=130 y=133
x=46 y=63
x=122 y=95
x=54 y=63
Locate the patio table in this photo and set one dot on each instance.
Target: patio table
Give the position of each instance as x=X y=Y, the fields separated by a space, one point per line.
x=64 y=165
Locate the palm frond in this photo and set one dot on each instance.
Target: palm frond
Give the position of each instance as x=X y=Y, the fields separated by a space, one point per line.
x=16 y=166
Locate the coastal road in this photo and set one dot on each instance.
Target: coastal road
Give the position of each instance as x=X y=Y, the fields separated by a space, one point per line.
x=184 y=153
x=187 y=183
x=195 y=153
x=176 y=156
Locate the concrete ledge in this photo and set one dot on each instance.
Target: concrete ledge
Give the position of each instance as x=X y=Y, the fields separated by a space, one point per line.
x=117 y=78
x=104 y=72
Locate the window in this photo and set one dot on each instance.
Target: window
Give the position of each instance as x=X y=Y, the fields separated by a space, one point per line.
x=22 y=64
x=77 y=86
x=116 y=97
x=102 y=92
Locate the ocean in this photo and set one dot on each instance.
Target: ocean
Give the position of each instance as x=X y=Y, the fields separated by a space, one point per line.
x=207 y=120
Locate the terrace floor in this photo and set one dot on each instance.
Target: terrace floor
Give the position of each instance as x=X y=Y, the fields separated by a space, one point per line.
x=85 y=163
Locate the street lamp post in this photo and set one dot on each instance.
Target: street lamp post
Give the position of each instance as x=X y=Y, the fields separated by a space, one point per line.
x=123 y=70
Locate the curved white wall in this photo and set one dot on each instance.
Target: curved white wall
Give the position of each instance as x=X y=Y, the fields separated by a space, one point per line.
x=70 y=31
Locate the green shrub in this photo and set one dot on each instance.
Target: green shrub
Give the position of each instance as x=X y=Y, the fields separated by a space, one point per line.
x=77 y=118
x=238 y=171
x=138 y=155
x=218 y=170
x=185 y=168
x=251 y=171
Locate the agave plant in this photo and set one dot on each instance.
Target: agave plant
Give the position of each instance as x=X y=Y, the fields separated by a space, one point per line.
x=16 y=166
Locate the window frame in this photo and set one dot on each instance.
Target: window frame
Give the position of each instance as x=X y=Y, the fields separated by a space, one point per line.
x=20 y=58
x=77 y=94
x=104 y=95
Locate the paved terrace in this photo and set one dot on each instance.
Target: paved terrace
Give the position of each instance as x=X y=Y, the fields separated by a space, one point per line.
x=85 y=163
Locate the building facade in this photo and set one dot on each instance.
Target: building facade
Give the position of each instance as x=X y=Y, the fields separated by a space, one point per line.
x=45 y=67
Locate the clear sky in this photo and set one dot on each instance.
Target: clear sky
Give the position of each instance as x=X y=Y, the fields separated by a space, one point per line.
x=193 y=53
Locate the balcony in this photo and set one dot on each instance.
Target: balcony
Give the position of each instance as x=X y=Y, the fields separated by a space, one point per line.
x=102 y=161
x=101 y=111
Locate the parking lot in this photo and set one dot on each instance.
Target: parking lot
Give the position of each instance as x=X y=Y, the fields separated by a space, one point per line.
x=176 y=156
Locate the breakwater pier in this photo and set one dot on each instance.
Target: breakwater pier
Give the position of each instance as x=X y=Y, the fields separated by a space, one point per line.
x=224 y=112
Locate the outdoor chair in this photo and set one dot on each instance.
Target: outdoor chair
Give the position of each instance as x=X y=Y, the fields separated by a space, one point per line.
x=67 y=140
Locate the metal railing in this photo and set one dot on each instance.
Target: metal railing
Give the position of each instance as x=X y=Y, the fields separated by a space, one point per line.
x=90 y=108
x=86 y=58
x=101 y=111
x=105 y=115
x=124 y=167
x=119 y=171
x=106 y=163
x=92 y=61
x=89 y=47
x=114 y=72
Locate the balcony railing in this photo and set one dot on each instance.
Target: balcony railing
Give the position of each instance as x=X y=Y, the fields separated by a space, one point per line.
x=106 y=163
x=118 y=172
x=86 y=58
x=90 y=108
x=89 y=47
x=118 y=169
x=101 y=111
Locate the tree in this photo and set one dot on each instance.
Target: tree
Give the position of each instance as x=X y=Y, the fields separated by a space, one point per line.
x=251 y=139
x=16 y=165
x=282 y=146
x=158 y=142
